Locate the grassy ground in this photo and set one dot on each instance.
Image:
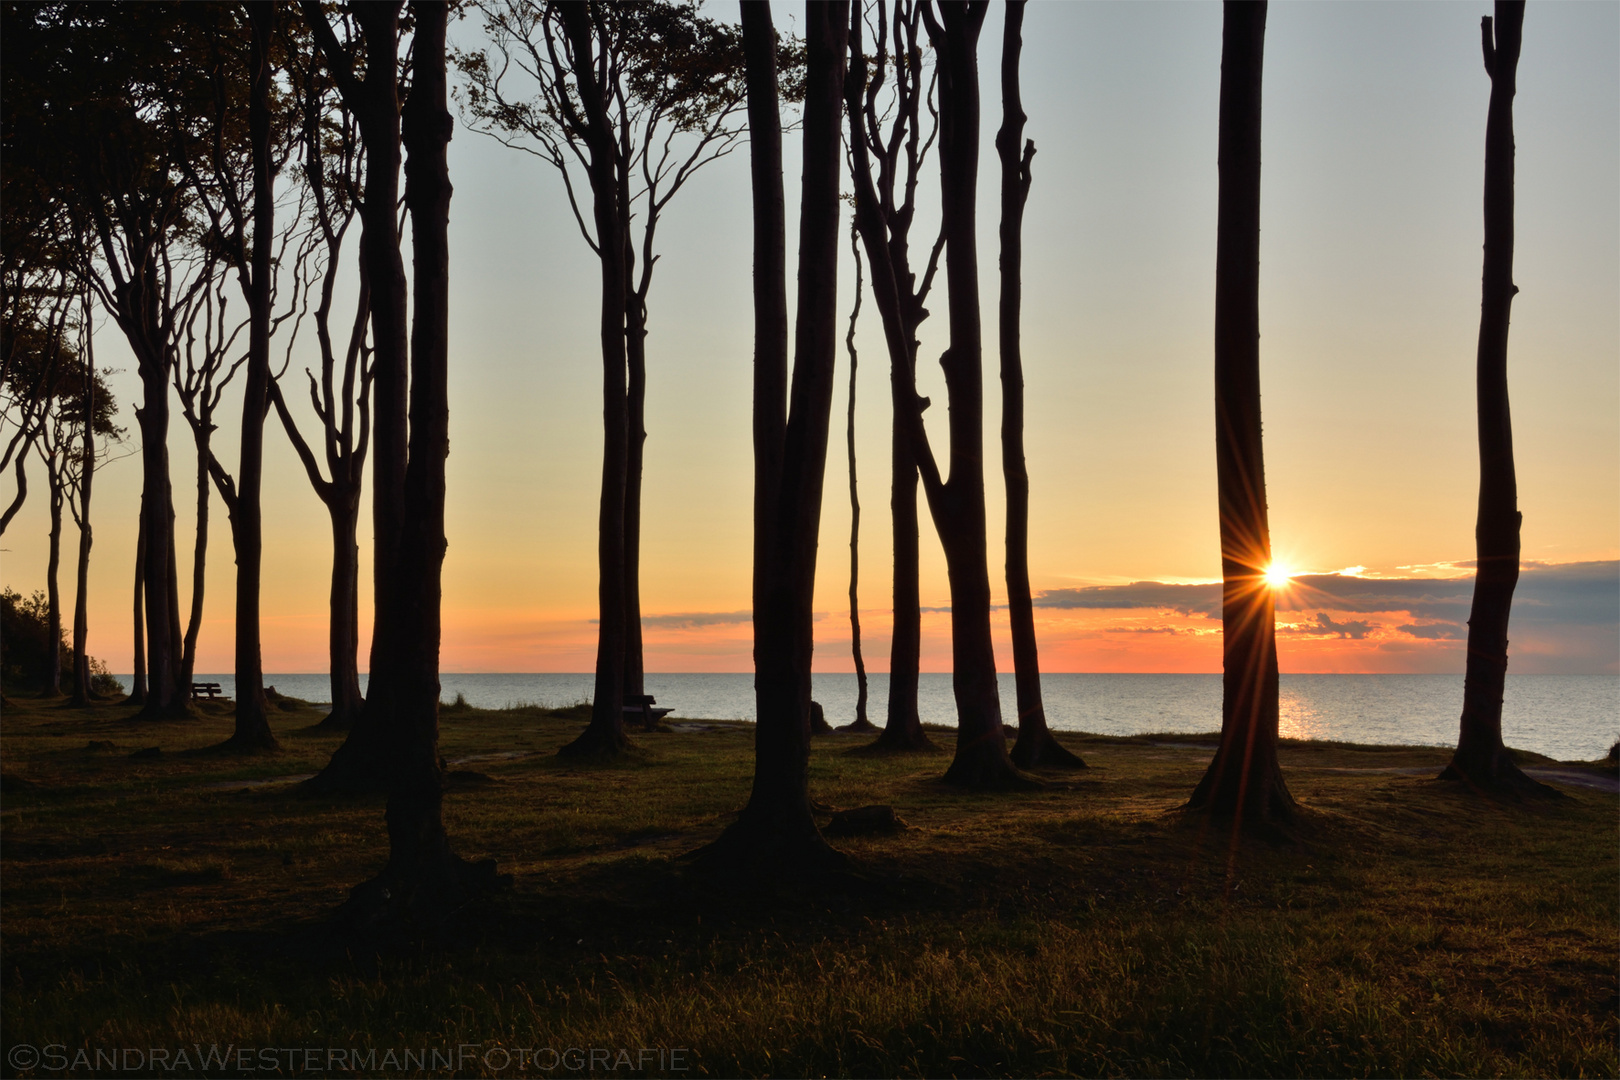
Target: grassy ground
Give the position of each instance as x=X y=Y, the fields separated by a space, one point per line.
x=1406 y=928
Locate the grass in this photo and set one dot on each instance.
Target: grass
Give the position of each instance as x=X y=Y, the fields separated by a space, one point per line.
x=1404 y=928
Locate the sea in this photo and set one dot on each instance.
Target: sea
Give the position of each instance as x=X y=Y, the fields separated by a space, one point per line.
x=1566 y=717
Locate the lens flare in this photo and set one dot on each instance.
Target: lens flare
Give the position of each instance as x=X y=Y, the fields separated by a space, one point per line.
x=1278 y=576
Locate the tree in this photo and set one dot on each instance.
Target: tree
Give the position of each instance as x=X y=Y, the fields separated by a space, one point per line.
x=372 y=32
x=1035 y=745
x=861 y=723
x=641 y=96
x=233 y=174
x=885 y=207
x=97 y=409
x=108 y=89
x=957 y=503
x=1481 y=760
x=423 y=879
x=775 y=834
x=333 y=168
x=1244 y=782
x=78 y=407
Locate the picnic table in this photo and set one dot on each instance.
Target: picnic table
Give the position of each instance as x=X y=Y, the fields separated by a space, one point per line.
x=210 y=690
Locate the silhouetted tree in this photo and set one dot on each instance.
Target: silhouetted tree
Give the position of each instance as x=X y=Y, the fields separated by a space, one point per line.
x=1035 y=745
x=888 y=128
x=671 y=84
x=373 y=95
x=861 y=723
x=775 y=833
x=1243 y=782
x=96 y=410
x=333 y=168
x=957 y=503
x=106 y=93
x=1481 y=760
x=423 y=879
x=234 y=173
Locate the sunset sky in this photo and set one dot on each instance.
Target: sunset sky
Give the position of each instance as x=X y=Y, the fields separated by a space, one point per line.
x=1369 y=306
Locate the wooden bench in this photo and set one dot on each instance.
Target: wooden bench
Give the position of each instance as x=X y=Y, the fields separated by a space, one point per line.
x=642 y=709
x=210 y=690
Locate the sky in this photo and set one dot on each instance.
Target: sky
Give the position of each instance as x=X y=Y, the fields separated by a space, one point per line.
x=1373 y=137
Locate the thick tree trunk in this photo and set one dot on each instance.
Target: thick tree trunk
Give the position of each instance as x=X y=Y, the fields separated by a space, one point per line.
x=87 y=475
x=1481 y=760
x=1244 y=782
x=957 y=504
x=164 y=696
x=635 y=341
x=360 y=765
x=1035 y=745
x=423 y=880
x=53 y=588
x=775 y=835
x=344 y=625
x=861 y=723
x=605 y=733
x=137 y=687
x=252 y=731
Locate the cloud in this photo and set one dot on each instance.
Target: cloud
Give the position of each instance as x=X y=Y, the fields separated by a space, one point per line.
x=1435 y=631
x=1202 y=599
x=1352 y=630
x=692 y=619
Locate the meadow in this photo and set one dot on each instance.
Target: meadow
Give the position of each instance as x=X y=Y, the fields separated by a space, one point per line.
x=180 y=903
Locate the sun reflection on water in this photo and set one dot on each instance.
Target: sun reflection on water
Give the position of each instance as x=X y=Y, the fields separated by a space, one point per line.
x=1298 y=718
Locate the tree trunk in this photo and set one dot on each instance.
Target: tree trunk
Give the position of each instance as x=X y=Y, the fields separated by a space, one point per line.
x=344 y=625
x=635 y=341
x=1244 y=782
x=360 y=765
x=605 y=733
x=423 y=880
x=53 y=591
x=1035 y=745
x=775 y=835
x=252 y=731
x=201 y=435
x=87 y=474
x=1481 y=760
x=137 y=687
x=883 y=228
x=861 y=723
x=957 y=504
x=164 y=696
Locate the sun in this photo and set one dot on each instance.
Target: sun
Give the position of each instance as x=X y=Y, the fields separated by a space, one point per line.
x=1278 y=575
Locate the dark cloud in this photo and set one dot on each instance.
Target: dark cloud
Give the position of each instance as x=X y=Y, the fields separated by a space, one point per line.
x=1183 y=599
x=1352 y=630
x=1141 y=630
x=1580 y=594
x=1436 y=631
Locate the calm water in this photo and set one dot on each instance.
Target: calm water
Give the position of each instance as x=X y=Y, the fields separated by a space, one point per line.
x=1569 y=717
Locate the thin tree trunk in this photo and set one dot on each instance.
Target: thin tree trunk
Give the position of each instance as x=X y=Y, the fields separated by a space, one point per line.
x=137 y=689
x=344 y=624
x=53 y=590
x=1244 y=782
x=21 y=497
x=861 y=723
x=605 y=733
x=1481 y=759
x=87 y=474
x=199 y=558
x=775 y=834
x=252 y=731
x=1035 y=745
